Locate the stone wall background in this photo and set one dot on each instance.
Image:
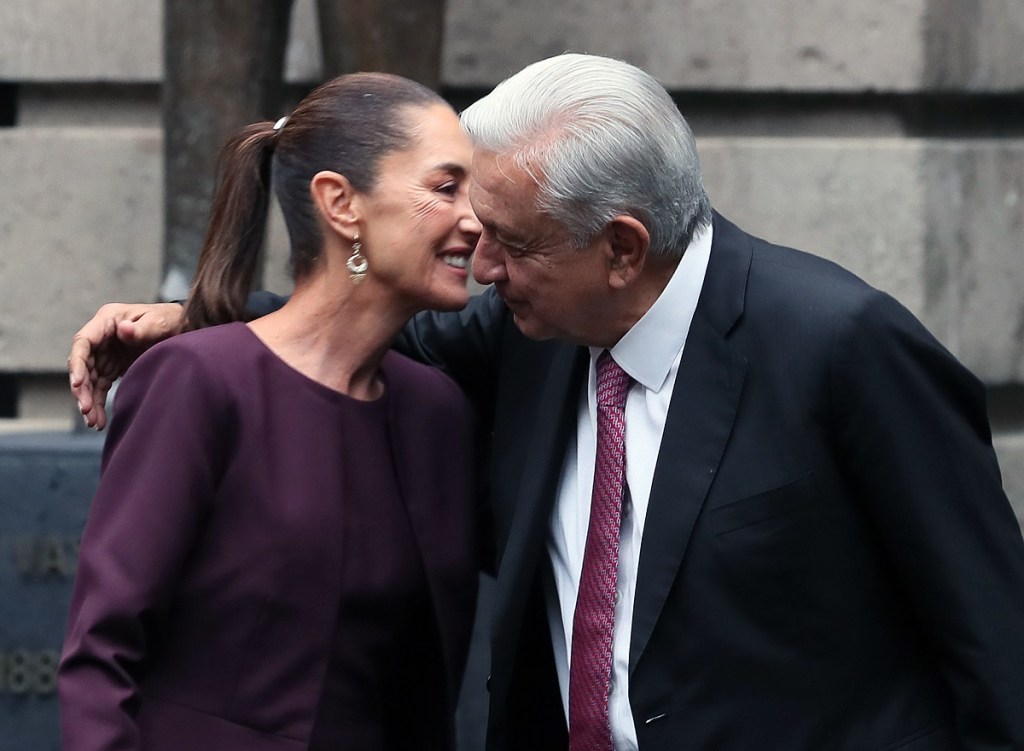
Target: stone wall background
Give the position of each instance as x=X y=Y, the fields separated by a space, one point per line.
x=885 y=134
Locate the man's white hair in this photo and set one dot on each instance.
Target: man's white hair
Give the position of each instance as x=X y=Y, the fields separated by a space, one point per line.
x=601 y=138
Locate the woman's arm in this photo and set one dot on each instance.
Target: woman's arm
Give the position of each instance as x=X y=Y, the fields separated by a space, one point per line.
x=161 y=463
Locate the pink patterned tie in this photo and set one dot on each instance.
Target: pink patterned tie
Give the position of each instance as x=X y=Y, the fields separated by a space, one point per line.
x=591 y=662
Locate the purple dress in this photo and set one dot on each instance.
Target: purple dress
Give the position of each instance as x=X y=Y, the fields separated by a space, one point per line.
x=269 y=564
x=385 y=657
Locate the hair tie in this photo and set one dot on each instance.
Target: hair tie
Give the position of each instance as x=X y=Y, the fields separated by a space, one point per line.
x=280 y=123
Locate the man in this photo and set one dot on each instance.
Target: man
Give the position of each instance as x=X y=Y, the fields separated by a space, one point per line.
x=772 y=519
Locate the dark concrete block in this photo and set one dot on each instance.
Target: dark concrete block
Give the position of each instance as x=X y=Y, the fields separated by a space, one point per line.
x=46 y=484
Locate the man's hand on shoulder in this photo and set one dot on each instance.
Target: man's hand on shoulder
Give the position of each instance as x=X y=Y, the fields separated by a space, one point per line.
x=104 y=347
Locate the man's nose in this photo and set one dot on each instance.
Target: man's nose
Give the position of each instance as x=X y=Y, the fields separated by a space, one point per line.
x=488 y=262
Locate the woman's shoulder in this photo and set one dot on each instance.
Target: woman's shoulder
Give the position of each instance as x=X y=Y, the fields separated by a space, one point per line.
x=216 y=341
x=191 y=374
x=211 y=350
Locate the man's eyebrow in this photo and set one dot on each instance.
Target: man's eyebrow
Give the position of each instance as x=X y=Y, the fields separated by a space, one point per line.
x=497 y=229
x=508 y=237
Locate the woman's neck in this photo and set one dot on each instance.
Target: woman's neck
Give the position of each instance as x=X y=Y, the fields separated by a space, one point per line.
x=334 y=333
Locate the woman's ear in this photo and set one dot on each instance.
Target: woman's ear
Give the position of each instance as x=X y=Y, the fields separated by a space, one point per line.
x=334 y=199
x=628 y=241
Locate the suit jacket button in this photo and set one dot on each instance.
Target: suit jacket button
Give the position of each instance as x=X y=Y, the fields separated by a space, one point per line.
x=488 y=683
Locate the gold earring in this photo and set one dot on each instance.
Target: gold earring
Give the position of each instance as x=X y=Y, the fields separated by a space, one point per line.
x=357 y=263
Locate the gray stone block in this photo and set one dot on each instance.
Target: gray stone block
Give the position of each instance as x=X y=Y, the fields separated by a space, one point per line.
x=974 y=46
x=936 y=224
x=828 y=45
x=975 y=239
x=303 y=60
x=716 y=44
x=114 y=41
x=858 y=202
x=998 y=38
x=83 y=40
x=46 y=483
x=79 y=225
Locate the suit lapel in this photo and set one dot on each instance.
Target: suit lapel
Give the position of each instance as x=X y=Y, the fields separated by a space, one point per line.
x=554 y=423
x=700 y=419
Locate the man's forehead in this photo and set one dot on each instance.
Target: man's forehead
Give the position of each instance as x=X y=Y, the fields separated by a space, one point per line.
x=493 y=210
x=496 y=181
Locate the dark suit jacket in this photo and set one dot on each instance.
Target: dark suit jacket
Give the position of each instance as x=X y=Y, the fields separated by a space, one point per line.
x=207 y=599
x=829 y=560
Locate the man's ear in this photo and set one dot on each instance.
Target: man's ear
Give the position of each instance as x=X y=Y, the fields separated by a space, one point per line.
x=628 y=241
x=335 y=201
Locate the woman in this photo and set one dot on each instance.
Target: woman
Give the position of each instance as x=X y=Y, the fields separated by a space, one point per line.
x=280 y=554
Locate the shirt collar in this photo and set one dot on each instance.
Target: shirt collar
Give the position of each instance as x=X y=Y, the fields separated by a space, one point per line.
x=649 y=349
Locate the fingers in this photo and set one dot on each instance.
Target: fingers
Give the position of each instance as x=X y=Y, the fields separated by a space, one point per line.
x=98 y=329
x=168 y=319
x=81 y=386
x=96 y=386
x=78 y=363
x=89 y=339
x=145 y=325
x=83 y=380
x=106 y=345
x=96 y=417
x=81 y=366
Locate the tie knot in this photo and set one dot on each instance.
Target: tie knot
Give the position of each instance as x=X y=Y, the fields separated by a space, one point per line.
x=612 y=382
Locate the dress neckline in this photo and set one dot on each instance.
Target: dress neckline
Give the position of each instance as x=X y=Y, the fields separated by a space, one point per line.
x=321 y=390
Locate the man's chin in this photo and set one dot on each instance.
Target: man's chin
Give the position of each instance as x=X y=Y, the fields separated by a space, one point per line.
x=530 y=330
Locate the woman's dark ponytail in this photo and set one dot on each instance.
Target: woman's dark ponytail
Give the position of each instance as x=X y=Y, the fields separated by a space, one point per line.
x=234 y=239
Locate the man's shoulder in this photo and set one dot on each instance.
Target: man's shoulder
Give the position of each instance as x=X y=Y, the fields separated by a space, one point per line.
x=782 y=264
x=761 y=275
x=806 y=282
x=806 y=294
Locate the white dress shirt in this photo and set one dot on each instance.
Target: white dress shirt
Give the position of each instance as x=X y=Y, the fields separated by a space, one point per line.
x=650 y=353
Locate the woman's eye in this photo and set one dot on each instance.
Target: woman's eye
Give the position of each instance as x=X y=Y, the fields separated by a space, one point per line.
x=449 y=189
